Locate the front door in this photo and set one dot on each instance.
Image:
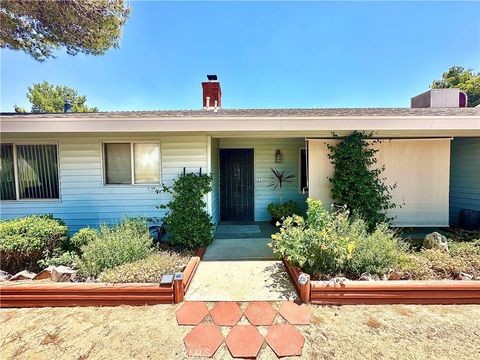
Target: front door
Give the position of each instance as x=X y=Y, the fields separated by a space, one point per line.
x=236 y=185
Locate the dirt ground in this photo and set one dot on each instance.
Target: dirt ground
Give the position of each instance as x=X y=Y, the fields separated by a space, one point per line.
x=151 y=332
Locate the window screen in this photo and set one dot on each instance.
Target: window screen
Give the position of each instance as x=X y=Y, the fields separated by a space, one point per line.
x=37 y=171
x=118 y=160
x=7 y=174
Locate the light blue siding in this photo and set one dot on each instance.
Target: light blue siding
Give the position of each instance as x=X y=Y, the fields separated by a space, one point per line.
x=264 y=160
x=86 y=201
x=464 y=176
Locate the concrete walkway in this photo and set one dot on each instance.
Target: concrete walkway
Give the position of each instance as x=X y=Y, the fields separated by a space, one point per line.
x=240 y=249
x=242 y=242
x=241 y=281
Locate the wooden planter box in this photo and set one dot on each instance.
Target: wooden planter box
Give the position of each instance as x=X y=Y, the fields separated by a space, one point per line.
x=35 y=294
x=441 y=292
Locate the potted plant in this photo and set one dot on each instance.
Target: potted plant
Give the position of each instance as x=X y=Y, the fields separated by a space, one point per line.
x=278 y=180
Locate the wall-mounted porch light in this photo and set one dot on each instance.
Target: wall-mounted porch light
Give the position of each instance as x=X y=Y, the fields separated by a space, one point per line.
x=278 y=156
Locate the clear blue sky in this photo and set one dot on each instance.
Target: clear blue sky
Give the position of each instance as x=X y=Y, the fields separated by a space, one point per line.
x=313 y=54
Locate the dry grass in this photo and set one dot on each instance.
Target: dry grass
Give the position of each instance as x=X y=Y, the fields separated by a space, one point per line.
x=150 y=269
x=348 y=332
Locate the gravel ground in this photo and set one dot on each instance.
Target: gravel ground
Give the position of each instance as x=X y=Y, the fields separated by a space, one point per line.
x=348 y=332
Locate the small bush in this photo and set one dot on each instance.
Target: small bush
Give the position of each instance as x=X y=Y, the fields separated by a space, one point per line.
x=148 y=270
x=281 y=211
x=332 y=244
x=83 y=237
x=25 y=241
x=115 y=245
x=187 y=220
x=377 y=252
x=60 y=257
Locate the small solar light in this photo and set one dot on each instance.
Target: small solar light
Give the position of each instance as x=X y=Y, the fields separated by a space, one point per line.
x=302 y=279
x=166 y=279
x=178 y=276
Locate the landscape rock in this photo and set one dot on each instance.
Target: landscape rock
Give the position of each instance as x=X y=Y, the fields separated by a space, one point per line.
x=393 y=275
x=44 y=274
x=435 y=240
x=465 y=276
x=4 y=276
x=23 y=275
x=366 y=277
x=63 y=274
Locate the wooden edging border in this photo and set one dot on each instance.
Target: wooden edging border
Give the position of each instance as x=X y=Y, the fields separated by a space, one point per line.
x=431 y=292
x=15 y=295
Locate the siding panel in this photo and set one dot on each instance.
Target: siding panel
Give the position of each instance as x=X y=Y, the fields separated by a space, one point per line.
x=86 y=201
x=464 y=177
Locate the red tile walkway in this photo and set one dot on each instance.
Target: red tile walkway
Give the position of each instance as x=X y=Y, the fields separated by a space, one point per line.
x=203 y=340
x=260 y=313
x=295 y=314
x=243 y=341
x=191 y=313
x=226 y=313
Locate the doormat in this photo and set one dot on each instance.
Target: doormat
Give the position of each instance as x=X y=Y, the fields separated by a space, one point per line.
x=238 y=229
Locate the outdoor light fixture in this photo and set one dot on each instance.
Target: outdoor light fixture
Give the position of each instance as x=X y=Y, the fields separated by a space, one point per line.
x=278 y=156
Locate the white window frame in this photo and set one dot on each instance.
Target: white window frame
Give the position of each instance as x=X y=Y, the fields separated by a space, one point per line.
x=300 y=190
x=132 y=162
x=15 y=169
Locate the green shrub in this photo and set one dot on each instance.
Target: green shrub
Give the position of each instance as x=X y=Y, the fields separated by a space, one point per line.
x=82 y=237
x=115 y=245
x=148 y=270
x=357 y=182
x=376 y=252
x=187 y=220
x=329 y=244
x=60 y=257
x=281 y=211
x=25 y=241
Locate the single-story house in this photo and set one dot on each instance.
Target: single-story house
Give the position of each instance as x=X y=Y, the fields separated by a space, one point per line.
x=93 y=168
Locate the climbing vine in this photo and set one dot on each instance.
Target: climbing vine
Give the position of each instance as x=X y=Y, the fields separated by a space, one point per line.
x=357 y=182
x=187 y=221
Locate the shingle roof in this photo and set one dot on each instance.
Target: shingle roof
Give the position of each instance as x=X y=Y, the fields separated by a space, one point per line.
x=320 y=112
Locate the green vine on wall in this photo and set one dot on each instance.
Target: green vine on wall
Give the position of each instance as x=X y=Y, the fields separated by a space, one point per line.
x=357 y=182
x=187 y=220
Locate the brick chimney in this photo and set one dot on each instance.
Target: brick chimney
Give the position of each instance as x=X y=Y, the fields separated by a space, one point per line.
x=212 y=93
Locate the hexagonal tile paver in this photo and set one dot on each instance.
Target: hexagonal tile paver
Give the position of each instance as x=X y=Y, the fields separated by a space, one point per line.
x=226 y=313
x=260 y=313
x=295 y=314
x=203 y=340
x=285 y=340
x=244 y=341
x=191 y=313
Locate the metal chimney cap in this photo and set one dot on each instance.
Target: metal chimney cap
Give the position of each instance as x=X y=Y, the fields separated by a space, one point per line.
x=212 y=77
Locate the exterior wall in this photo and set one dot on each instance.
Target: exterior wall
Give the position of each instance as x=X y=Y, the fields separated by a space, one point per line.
x=419 y=168
x=264 y=160
x=85 y=200
x=464 y=177
x=215 y=171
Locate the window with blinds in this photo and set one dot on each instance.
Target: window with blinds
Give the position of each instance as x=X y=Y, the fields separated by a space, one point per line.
x=29 y=172
x=7 y=173
x=132 y=163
